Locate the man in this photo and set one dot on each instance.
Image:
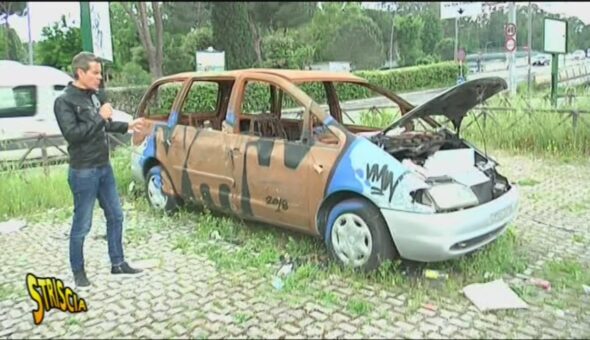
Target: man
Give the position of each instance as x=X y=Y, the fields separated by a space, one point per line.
x=84 y=119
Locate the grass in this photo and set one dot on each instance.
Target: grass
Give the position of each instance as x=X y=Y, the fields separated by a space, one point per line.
x=9 y=291
x=578 y=238
x=25 y=192
x=241 y=318
x=358 y=307
x=527 y=182
x=566 y=273
x=542 y=133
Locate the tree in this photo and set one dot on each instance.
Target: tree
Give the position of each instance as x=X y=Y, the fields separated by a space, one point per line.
x=408 y=31
x=283 y=51
x=125 y=36
x=232 y=34
x=267 y=17
x=11 y=47
x=384 y=21
x=197 y=40
x=153 y=46
x=431 y=33
x=59 y=45
x=345 y=32
x=8 y=8
x=445 y=49
x=182 y=17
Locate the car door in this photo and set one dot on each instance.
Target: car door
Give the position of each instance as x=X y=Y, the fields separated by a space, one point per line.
x=200 y=159
x=275 y=175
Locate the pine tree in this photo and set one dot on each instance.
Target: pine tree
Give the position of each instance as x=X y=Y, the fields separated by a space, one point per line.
x=232 y=34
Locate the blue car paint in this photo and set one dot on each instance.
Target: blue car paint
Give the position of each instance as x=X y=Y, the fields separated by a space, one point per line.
x=150 y=149
x=350 y=174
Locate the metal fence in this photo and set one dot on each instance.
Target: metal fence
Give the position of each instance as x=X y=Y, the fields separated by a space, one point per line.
x=40 y=150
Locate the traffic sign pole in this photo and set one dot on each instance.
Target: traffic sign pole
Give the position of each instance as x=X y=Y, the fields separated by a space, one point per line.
x=85 y=27
x=554 y=74
x=513 y=54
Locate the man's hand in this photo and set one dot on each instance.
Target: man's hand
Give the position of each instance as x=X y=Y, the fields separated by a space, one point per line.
x=137 y=125
x=106 y=111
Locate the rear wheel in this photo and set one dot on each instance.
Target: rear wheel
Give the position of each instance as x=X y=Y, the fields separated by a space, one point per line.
x=357 y=236
x=156 y=196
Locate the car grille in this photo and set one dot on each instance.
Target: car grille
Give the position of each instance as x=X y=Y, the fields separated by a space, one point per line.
x=476 y=240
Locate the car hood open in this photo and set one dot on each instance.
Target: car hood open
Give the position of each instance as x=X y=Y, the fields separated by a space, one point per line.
x=455 y=102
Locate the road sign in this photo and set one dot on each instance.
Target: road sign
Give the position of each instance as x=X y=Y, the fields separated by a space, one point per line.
x=510 y=45
x=510 y=30
x=449 y=10
x=461 y=54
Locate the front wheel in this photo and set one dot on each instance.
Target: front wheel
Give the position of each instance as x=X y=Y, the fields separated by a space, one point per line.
x=156 y=196
x=357 y=236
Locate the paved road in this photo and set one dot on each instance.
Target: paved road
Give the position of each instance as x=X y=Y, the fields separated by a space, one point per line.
x=186 y=295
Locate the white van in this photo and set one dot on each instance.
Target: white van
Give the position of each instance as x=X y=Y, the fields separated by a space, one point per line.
x=27 y=94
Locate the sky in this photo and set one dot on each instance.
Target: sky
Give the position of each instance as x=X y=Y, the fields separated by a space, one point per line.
x=46 y=13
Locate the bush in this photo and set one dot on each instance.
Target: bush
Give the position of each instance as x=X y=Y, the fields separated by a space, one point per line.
x=427 y=60
x=398 y=81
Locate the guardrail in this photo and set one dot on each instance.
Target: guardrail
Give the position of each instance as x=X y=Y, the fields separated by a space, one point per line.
x=40 y=150
x=571 y=75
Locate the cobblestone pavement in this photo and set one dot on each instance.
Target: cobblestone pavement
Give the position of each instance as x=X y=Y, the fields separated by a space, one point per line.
x=185 y=295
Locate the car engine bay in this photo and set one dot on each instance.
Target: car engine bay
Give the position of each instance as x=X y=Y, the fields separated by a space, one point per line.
x=459 y=175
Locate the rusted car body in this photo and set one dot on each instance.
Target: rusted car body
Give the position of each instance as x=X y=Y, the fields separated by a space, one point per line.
x=365 y=191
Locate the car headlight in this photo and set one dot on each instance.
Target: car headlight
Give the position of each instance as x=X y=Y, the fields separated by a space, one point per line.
x=447 y=196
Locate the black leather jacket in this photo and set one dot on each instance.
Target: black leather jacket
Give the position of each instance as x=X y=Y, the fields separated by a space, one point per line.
x=83 y=128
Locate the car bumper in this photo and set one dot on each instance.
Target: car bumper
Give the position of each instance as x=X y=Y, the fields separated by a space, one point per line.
x=443 y=236
x=136 y=167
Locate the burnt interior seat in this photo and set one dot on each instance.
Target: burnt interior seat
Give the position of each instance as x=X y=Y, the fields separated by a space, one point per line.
x=266 y=125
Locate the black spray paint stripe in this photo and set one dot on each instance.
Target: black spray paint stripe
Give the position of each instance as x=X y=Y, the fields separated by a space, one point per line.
x=187 y=186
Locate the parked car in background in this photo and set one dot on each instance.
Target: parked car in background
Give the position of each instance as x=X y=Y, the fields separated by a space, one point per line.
x=282 y=147
x=579 y=55
x=27 y=94
x=541 y=60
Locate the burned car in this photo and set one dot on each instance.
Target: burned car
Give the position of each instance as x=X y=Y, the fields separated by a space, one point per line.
x=283 y=147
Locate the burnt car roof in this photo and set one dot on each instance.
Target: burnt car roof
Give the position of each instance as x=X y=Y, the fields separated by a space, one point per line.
x=295 y=76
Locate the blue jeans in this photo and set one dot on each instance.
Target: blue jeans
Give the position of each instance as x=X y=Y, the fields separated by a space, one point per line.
x=87 y=185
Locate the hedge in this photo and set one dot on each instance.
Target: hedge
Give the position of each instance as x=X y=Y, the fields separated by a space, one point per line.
x=203 y=98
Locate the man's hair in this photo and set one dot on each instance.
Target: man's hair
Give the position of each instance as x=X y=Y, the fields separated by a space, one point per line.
x=82 y=61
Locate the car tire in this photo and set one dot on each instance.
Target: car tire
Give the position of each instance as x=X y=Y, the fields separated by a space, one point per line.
x=371 y=243
x=157 y=198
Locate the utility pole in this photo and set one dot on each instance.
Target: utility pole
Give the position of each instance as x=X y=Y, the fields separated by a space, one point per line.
x=530 y=45
x=391 y=41
x=512 y=55
x=29 y=28
x=456 y=37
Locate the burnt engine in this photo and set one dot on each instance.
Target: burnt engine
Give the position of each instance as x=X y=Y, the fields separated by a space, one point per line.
x=416 y=147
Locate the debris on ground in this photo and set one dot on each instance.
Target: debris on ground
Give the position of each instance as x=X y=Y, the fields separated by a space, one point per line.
x=11 y=226
x=435 y=274
x=430 y=306
x=277 y=283
x=546 y=285
x=215 y=235
x=493 y=295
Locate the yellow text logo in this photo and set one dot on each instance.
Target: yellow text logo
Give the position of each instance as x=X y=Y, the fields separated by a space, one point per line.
x=49 y=293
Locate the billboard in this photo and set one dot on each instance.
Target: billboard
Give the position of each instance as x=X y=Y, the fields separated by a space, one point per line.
x=100 y=26
x=210 y=60
x=555 y=35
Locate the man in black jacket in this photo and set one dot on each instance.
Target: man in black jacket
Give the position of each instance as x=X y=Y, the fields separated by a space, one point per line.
x=84 y=120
